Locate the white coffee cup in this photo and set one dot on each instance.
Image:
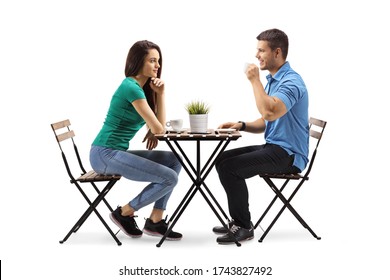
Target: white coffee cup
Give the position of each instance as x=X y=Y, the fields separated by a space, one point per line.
x=176 y=125
x=246 y=65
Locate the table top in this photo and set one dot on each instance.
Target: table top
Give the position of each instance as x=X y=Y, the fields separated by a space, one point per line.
x=211 y=134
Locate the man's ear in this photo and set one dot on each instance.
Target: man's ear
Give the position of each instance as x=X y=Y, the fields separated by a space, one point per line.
x=278 y=52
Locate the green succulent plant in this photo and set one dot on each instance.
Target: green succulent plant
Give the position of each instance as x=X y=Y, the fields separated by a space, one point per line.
x=197 y=107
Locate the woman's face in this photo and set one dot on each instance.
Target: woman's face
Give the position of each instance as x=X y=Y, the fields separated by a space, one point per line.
x=151 y=64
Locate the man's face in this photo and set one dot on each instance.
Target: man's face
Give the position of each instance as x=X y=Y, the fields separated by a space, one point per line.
x=265 y=56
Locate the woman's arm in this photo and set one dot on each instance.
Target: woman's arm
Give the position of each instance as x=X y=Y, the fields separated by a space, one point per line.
x=158 y=86
x=154 y=124
x=160 y=104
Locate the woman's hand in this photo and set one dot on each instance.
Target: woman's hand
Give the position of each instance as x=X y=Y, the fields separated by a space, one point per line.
x=157 y=85
x=151 y=140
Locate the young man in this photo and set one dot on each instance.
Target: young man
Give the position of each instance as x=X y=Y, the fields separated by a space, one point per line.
x=283 y=108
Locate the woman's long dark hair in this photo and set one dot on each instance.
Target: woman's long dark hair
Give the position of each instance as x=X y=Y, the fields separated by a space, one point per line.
x=134 y=62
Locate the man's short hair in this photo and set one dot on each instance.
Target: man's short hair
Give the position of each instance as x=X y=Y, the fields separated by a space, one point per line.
x=276 y=39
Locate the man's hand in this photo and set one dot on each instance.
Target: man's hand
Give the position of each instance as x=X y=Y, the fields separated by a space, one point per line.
x=234 y=125
x=252 y=72
x=151 y=140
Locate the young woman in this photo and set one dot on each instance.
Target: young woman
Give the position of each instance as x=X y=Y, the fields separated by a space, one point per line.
x=138 y=100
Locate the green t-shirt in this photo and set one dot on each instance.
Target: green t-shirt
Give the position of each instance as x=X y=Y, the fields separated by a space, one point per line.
x=122 y=121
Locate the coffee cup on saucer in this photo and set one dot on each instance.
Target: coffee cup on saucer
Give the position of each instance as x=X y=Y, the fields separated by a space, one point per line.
x=175 y=125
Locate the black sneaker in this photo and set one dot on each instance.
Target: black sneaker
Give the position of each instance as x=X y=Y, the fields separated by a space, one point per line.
x=159 y=229
x=221 y=229
x=126 y=223
x=239 y=233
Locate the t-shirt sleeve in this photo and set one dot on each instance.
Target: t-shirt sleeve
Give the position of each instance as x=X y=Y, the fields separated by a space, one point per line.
x=131 y=91
x=136 y=94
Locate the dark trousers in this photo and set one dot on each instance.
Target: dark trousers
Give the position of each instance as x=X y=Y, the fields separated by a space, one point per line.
x=236 y=165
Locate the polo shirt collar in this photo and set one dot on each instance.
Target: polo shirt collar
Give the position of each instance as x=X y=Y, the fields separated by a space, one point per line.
x=285 y=67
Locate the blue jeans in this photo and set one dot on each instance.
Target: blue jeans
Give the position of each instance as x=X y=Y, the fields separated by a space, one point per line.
x=161 y=168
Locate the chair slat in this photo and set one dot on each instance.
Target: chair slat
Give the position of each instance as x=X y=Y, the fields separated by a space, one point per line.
x=315 y=134
x=65 y=135
x=60 y=124
x=89 y=175
x=282 y=176
x=92 y=176
x=317 y=122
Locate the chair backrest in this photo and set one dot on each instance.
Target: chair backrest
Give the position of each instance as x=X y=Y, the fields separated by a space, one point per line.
x=62 y=132
x=317 y=128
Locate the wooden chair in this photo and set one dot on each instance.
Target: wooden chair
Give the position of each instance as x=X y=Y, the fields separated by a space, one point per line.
x=316 y=131
x=63 y=132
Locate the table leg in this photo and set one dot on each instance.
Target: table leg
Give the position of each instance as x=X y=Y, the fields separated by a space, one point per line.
x=198 y=182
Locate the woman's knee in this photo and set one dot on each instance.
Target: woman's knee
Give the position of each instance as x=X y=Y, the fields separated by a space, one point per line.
x=175 y=179
x=171 y=179
x=175 y=163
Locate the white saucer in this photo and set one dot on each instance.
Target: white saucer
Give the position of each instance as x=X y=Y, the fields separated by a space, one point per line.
x=174 y=131
x=225 y=130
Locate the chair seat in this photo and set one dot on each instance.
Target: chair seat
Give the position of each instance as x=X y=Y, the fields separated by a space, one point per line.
x=283 y=176
x=92 y=176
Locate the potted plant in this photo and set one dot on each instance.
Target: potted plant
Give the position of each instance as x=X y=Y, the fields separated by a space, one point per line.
x=198 y=113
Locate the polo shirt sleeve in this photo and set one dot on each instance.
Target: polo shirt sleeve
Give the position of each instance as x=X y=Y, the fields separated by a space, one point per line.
x=289 y=92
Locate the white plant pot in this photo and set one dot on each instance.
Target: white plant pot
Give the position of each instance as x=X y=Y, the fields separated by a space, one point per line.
x=199 y=123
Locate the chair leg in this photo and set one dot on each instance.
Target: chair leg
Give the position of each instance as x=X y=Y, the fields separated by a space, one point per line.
x=270 y=205
x=286 y=205
x=104 y=199
x=80 y=222
x=92 y=208
x=89 y=202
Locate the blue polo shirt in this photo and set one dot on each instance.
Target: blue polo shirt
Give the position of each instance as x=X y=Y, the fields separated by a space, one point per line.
x=291 y=131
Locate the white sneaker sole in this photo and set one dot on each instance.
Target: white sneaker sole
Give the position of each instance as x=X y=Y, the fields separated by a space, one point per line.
x=233 y=242
x=157 y=234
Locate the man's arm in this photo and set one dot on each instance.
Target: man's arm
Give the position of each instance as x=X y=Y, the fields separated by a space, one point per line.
x=257 y=126
x=270 y=108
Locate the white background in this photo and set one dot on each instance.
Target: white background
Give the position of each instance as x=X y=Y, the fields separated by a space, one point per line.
x=64 y=59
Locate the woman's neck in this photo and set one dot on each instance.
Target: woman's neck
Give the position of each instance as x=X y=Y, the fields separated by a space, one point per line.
x=141 y=80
